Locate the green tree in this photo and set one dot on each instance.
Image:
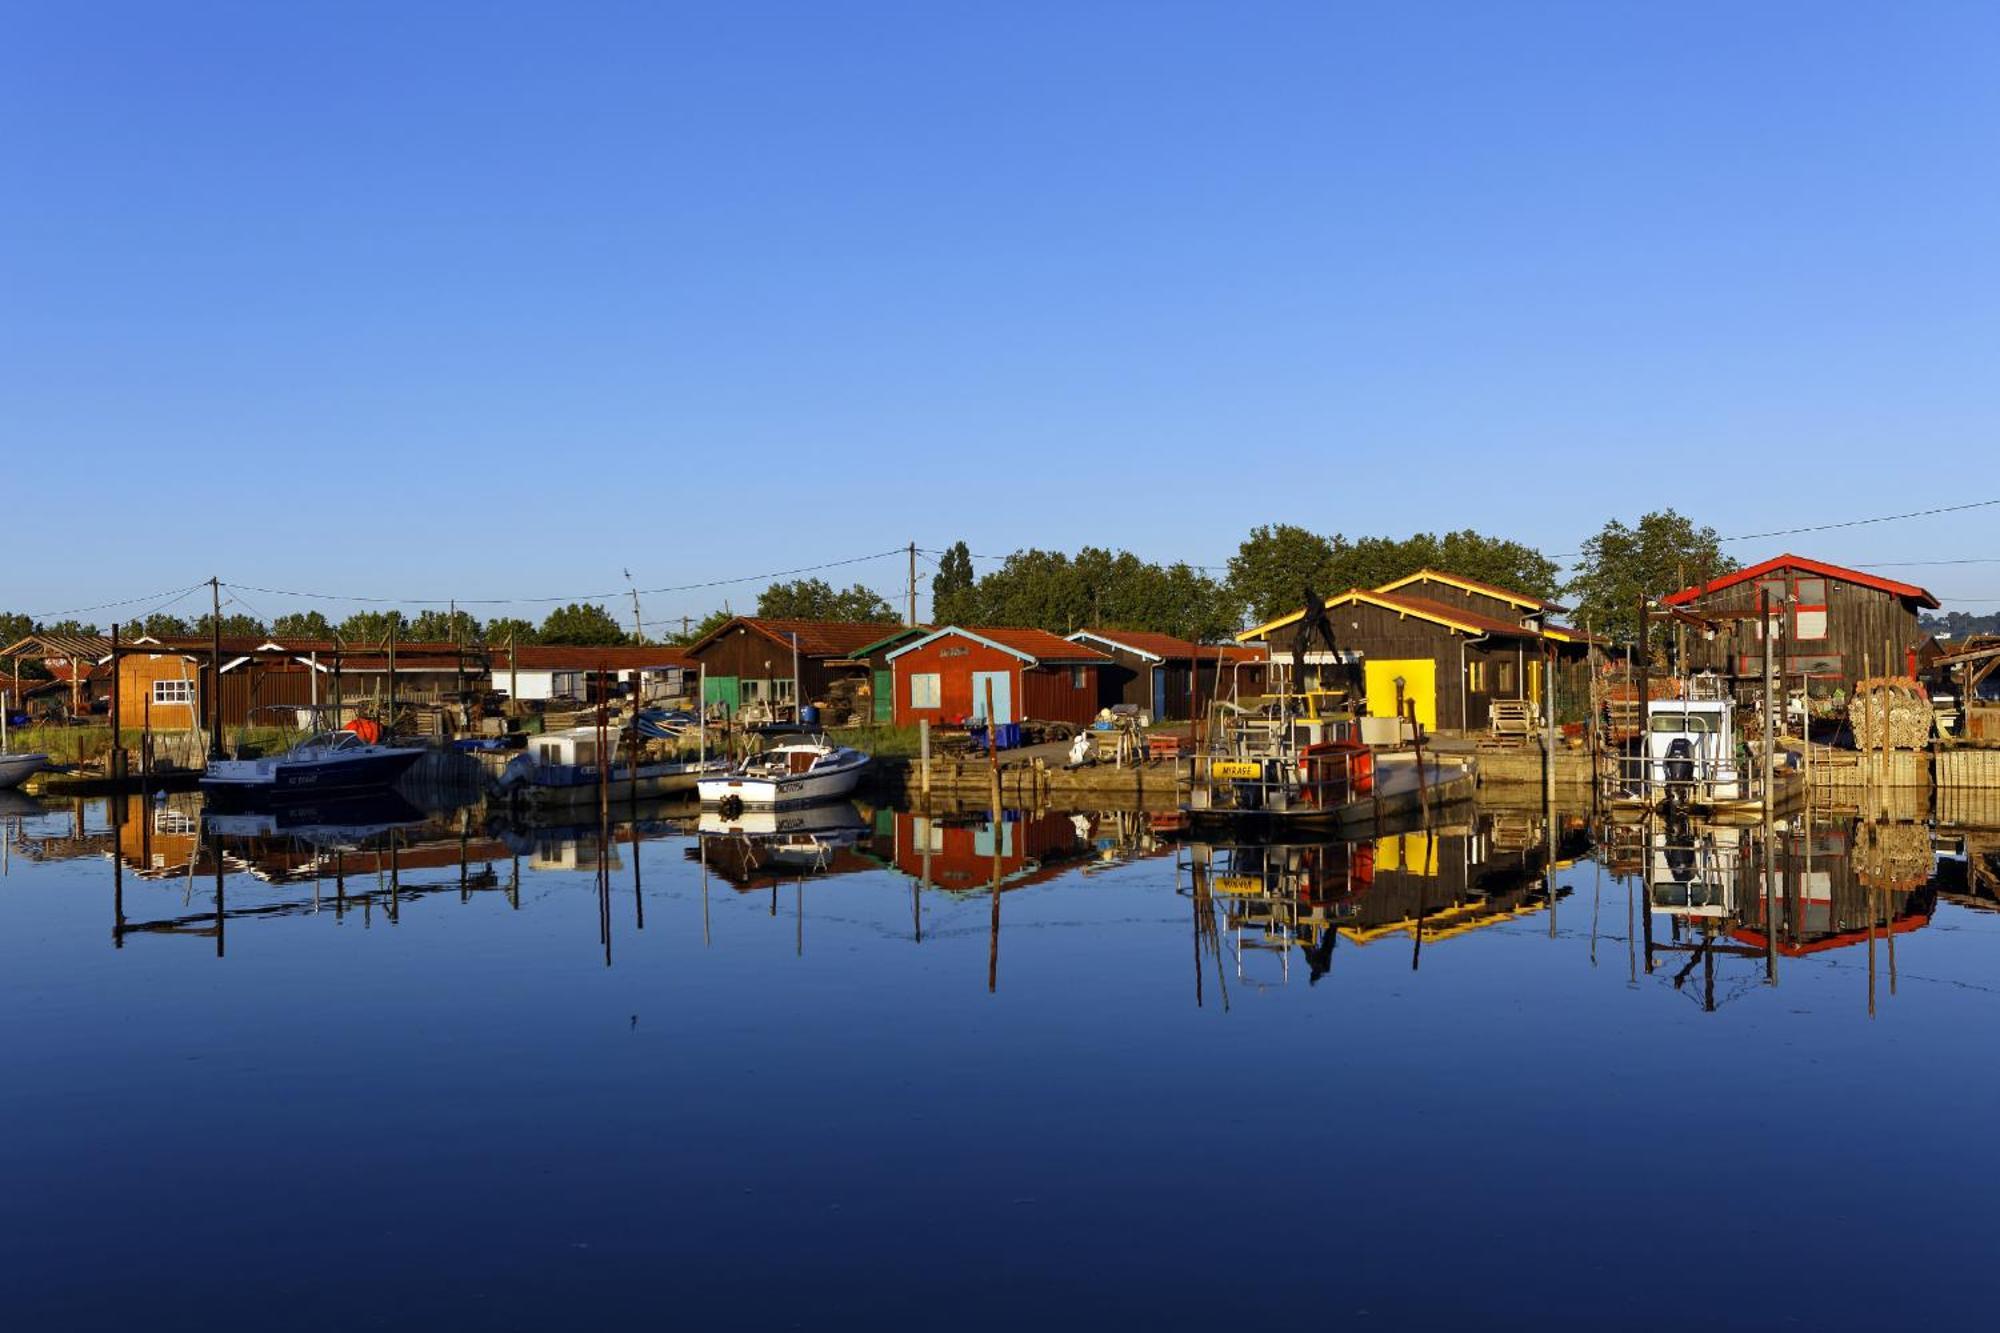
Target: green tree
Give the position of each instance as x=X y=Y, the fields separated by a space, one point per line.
x=815 y=599
x=1370 y=562
x=1273 y=565
x=1659 y=555
x=497 y=632
x=952 y=599
x=301 y=625
x=161 y=625
x=235 y=625
x=15 y=626
x=587 y=624
x=434 y=626
x=370 y=628
x=707 y=625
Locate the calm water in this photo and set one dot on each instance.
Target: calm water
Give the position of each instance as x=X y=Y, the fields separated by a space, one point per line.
x=433 y=1074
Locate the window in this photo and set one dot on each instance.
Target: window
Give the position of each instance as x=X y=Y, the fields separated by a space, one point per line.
x=754 y=691
x=173 y=692
x=925 y=691
x=1509 y=679
x=1076 y=678
x=1475 y=677
x=781 y=689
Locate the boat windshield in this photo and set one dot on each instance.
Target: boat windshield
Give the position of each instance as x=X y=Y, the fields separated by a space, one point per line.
x=331 y=740
x=1704 y=724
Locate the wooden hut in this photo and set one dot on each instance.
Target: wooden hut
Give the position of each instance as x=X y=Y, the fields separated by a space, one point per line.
x=1156 y=673
x=1833 y=625
x=946 y=675
x=756 y=660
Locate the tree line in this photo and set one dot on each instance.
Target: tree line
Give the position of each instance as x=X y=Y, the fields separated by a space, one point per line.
x=1093 y=588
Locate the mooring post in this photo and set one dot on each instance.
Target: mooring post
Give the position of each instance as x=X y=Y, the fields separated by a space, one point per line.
x=924 y=760
x=1645 y=742
x=115 y=765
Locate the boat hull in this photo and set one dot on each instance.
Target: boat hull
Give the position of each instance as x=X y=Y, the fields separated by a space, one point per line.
x=792 y=789
x=277 y=780
x=16 y=769
x=1398 y=798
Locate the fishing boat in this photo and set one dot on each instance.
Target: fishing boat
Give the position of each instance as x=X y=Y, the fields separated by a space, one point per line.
x=16 y=768
x=796 y=772
x=561 y=769
x=343 y=761
x=1303 y=769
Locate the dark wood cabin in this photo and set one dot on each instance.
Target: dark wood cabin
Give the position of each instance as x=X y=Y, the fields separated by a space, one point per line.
x=1395 y=649
x=1156 y=673
x=1833 y=625
x=751 y=659
x=945 y=677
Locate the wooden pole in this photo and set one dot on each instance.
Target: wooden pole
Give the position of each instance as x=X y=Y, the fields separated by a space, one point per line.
x=215 y=679
x=392 y=674
x=924 y=757
x=910 y=618
x=513 y=670
x=1645 y=725
x=116 y=762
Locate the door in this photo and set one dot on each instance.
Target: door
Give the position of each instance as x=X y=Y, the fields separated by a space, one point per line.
x=722 y=690
x=1003 y=696
x=1419 y=677
x=1159 y=694
x=885 y=696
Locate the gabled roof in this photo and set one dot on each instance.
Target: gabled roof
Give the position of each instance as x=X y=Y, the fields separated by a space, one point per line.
x=1910 y=591
x=1526 y=601
x=893 y=636
x=816 y=638
x=1451 y=617
x=1036 y=647
x=1165 y=647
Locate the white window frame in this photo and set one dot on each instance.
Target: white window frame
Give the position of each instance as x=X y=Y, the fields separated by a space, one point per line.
x=926 y=689
x=173 y=692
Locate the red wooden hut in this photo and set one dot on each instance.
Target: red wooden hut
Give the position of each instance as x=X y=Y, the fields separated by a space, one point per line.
x=946 y=676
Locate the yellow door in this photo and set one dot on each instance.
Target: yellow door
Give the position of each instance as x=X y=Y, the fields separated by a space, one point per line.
x=1419 y=677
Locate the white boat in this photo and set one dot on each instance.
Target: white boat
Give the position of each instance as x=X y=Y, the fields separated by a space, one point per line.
x=794 y=773
x=560 y=768
x=332 y=761
x=1690 y=745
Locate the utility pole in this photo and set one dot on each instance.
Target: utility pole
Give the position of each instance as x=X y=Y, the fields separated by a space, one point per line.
x=686 y=622
x=911 y=618
x=215 y=669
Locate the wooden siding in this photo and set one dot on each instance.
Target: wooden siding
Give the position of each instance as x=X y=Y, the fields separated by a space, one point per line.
x=744 y=654
x=1447 y=594
x=1380 y=634
x=1045 y=694
x=1862 y=624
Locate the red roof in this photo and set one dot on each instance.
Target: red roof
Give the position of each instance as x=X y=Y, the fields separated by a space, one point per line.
x=1169 y=648
x=1036 y=643
x=816 y=638
x=568 y=657
x=1906 y=590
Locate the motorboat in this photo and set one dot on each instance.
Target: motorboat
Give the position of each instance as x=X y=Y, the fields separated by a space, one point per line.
x=330 y=761
x=793 y=773
x=561 y=769
x=16 y=768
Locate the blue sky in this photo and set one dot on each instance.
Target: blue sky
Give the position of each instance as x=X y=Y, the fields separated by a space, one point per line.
x=493 y=300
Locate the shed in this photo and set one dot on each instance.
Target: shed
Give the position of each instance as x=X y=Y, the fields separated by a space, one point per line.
x=757 y=660
x=1834 y=625
x=1155 y=673
x=945 y=676
x=543 y=671
x=1452 y=663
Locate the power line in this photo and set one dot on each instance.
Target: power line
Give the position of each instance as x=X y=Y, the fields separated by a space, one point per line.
x=570 y=597
x=173 y=595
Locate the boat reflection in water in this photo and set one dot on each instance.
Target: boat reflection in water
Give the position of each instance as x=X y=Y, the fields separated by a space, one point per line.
x=1269 y=902
x=1807 y=885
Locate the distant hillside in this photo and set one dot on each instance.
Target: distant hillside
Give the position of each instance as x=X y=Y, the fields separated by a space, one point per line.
x=1958 y=624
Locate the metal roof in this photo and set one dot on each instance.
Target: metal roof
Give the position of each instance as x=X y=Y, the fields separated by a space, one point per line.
x=1920 y=596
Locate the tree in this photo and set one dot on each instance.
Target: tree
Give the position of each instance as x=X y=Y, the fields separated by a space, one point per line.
x=587 y=624
x=952 y=599
x=14 y=627
x=435 y=626
x=235 y=625
x=815 y=599
x=1275 y=563
x=161 y=625
x=301 y=625
x=707 y=625
x=1664 y=553
x=509 y=629
x=368 y=628
x=1099 y=588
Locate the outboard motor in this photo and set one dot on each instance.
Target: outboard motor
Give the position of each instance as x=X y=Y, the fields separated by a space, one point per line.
x=1679 y=767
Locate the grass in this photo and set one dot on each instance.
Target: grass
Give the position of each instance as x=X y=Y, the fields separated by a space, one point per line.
x=886 y=742
x=88 y=744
